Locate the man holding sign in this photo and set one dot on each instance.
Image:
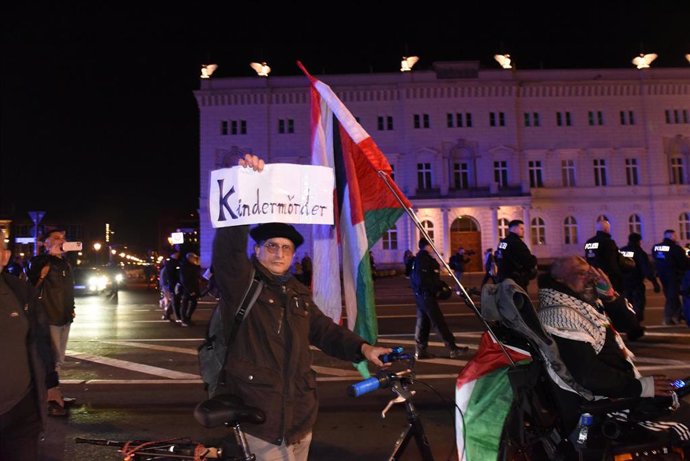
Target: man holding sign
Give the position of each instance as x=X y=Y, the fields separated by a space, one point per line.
x=269 y=360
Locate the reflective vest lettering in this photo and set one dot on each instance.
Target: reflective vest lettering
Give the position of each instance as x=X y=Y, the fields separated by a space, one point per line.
x=502 y=245
x=627 y=254
x=592 y=246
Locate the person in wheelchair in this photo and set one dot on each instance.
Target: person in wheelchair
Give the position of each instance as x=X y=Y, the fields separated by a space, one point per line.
x=576 y=301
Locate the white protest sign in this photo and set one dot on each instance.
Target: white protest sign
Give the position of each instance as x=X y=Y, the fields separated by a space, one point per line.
x=282 y=192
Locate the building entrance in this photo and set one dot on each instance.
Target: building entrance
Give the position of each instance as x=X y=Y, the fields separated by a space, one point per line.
x=465 y=232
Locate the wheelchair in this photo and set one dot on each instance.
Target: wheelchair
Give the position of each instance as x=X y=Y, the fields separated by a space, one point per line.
x=542 y=422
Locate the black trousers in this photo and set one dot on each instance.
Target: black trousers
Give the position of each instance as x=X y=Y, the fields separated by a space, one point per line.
x=189 y=303
x=20 y=429
x=429 y=315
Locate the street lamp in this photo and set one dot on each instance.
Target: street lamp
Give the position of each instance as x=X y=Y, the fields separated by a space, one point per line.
x=503 y=60
x=97 y=246
x=261 y=68
x=644 y=60
x=408 y=62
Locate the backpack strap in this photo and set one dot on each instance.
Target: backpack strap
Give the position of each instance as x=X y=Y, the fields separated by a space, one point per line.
x=248 y=301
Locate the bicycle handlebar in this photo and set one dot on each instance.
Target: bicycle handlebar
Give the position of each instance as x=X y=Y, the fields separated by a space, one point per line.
x=396 y=355
x=381 y=381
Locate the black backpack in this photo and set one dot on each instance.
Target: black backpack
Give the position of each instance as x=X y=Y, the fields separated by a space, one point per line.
x=213 y=352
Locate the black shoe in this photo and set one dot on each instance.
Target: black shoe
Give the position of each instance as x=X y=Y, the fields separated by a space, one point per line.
x=458 y=352
x=422 y=354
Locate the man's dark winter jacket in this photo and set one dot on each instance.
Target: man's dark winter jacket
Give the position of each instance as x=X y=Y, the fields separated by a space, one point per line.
x=57 y=289
x=269 y=362
x=38 y=342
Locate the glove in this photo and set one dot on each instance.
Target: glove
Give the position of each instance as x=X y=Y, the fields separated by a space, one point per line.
x=657 y=287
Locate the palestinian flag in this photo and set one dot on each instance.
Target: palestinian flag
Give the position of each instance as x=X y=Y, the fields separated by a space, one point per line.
x=484 y=395
x=365 y=210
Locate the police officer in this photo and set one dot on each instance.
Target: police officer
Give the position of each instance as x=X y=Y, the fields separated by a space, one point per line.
x=633 y=280
x=671 y=263
x=513 y=258
x=601 y=251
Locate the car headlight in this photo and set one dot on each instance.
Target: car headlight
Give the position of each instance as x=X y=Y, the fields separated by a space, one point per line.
x=119 y=278
x=98 y=282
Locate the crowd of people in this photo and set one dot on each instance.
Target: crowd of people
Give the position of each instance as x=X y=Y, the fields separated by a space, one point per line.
x=585 y=302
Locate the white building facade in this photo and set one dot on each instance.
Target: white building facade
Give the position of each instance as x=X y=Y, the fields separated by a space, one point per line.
x=473 y=149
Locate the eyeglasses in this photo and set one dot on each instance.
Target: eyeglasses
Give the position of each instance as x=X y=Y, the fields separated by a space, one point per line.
x=274 y=247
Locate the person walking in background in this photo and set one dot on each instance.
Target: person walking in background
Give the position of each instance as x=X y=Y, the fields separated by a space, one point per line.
x=307 y=269
x=685 y=295
x=172 y=274
x=633 y=280
x=27 y=361
x=671 y=264
x=457 y=263
x=190 y=279
x=270 y=360
x=51 y=274
x=425 y=280
x=408 y=260
x=513 y=258
x=489 y=267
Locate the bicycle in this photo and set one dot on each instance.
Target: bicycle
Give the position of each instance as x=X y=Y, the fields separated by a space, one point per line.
x=400 y=383
x=222 y=410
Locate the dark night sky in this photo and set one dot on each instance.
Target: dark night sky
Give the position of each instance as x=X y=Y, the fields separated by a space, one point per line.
x=98 y=117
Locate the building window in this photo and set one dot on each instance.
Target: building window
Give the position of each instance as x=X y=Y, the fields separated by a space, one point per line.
x=421 y=121
x=501 y=173
x=570 y=231
x=461 y=175
x=532 y=119
x=497 y=119
x=538 y=231
x=286 y=125
x=385 y=123
x=238 y=127
x=600 y=172
x=684 y=226
x=390 y=239
x=424 y=176
x=563 y=119
x=627 y=117
x=459 y=120
x=595 y=118
x=568 y=172
x=428 y=227
x=631 y=172
x=535 y=174
x=503 y=228
x=677 y=171
x=634 y=224
x=224 y=127
x=677 y=116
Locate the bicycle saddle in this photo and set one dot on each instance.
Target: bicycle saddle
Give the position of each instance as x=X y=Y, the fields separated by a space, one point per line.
x=227 y=409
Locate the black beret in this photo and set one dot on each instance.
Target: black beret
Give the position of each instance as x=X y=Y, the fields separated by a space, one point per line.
x=423 y=243
x=270 y=230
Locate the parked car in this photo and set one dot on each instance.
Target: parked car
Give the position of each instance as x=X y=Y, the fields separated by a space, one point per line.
x=95 y=280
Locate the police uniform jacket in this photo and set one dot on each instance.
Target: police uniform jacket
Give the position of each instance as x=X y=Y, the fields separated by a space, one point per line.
x=515 y=261
x=56 y=290
x=670 y=260
x=643 y=267
x=602 y=252
x=41 y=362
x=269 y=361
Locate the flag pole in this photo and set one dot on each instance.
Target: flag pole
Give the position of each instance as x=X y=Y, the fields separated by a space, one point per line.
x=466 y=297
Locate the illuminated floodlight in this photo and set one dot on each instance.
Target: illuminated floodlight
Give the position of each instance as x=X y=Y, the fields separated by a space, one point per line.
x=504 y=60
x=644 y=60
x=687 y=56
x=408 y=63
x=208 y=69
x=261 y=68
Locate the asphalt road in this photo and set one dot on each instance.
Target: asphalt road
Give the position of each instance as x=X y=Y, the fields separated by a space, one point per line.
x=135 y=376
